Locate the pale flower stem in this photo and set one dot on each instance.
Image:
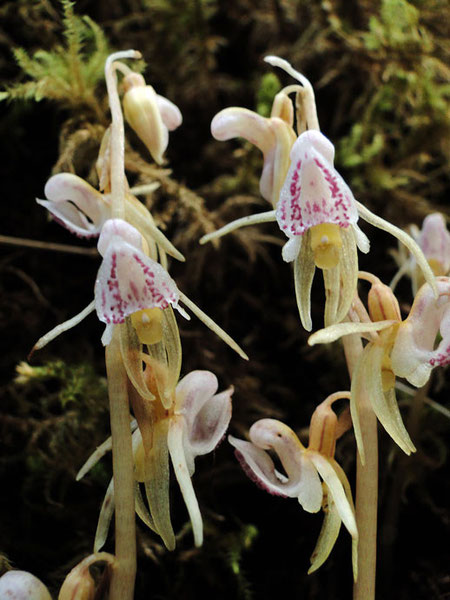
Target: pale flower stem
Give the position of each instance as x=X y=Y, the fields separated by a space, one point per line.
x=309 y=101
x=124 y=571
x=117 y=134
x=366 y=485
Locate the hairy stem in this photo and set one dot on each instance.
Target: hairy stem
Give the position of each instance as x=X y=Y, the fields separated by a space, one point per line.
x=366 y=485
x=124 y=571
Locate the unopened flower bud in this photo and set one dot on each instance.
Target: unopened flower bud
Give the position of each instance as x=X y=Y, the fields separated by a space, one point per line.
x=79 y=583
x=283 y=109
x=151 y=116
x=20 y=585
x=322 y=429
x=383 y=305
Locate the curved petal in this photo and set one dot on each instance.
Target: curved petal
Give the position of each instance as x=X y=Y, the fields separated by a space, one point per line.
x=304 y=269
x=310 y=492
x=259 y=467
x=211 y=423
x=434 y=239
x=327 y=537
x=223 y=335
x=206 y=415
x=334 y=332
x=328 y=474
x=348 y=492
x=313 y=192
x=385 y=405
x=164 y=360
x=175 y=445
x=265 y=217
x=76 y=204
x=277 y=161
x=157 y=484
x=413 y=355
x=170 y=113
x=192 y=392
x=348 y=263
x=241 y=122
x=291 y=249
x=404 y=238
x=131 y=352
x=104 y=519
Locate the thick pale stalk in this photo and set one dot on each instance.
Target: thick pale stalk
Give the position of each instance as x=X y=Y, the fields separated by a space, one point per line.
x=366 y=485
x=124 y=571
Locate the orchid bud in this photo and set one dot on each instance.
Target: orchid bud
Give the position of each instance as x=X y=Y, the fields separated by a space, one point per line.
x=383 y=305
x=21 y=585
x=79 y=583
x=322 y=429
x=283 y=109
x=151 y=116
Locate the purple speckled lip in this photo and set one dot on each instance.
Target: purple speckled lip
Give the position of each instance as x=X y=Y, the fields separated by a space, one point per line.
x=252 y=475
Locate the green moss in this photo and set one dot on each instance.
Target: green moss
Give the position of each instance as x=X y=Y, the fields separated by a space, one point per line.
x=69 y=72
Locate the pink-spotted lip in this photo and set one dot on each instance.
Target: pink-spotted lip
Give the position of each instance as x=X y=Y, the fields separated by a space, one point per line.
x=252 y=475
x=314 y=193
x=441 y=359
x=82 y=234
x=129 y=281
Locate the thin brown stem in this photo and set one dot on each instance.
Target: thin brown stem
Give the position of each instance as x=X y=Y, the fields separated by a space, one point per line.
x=124 y=571
x=366 y=485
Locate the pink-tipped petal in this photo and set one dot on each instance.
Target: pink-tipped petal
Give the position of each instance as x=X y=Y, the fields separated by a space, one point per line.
x=314 y=192
x=259 y=467
x=413 y=355
x=75 y=204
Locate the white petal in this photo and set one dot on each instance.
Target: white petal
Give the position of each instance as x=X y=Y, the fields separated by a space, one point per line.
x=259 y=467
x=291 y=248
x=170 y=113
x=334 y=484
x=334 y=332
x=65 y=188
x=175 y=445
x=310 y=493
